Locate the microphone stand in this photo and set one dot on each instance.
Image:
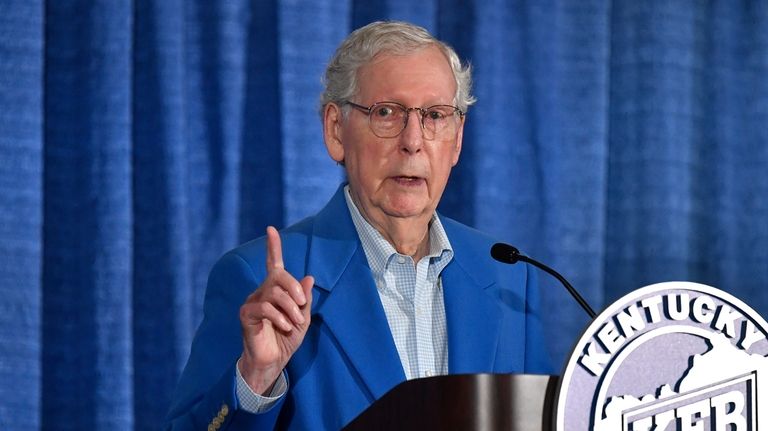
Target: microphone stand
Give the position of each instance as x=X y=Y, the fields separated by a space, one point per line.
x=509 y=254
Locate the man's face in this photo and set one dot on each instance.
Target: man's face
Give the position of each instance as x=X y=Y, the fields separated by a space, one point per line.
x=404 y=176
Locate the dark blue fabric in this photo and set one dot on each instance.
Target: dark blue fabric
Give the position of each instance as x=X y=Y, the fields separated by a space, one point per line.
x=87 y=217
x=622 y=142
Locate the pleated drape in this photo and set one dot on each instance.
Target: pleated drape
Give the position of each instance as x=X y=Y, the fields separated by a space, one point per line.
x=621 y=142
x=21 y=212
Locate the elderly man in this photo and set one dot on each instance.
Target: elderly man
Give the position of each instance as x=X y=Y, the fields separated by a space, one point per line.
x=304 y=329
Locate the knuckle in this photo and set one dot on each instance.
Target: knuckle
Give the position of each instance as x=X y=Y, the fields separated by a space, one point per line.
x=262 y=308
x=245 y=312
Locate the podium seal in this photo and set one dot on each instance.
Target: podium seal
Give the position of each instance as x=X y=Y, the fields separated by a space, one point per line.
x=670 y=356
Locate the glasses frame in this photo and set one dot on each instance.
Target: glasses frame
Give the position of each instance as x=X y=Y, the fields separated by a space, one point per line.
x=422 y=115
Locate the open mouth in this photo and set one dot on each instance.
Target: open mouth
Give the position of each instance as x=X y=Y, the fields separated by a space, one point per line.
x=408 y=180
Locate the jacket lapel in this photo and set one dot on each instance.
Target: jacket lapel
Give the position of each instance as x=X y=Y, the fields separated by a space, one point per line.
x=473 y=319
x=473 y=315
x=352 y=309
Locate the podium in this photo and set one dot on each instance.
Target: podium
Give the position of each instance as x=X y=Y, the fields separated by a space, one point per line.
x=522 y=402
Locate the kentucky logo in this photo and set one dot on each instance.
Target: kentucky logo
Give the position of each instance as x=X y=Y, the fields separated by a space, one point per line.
x=672 y=356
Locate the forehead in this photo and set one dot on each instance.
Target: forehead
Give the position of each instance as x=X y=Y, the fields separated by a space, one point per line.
x=421 y=74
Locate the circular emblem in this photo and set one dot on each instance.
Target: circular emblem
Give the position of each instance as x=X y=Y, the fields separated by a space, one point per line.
x=670 y=356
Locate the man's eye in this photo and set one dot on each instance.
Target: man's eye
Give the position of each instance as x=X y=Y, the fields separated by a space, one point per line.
x=384 y=111
x=435 y=115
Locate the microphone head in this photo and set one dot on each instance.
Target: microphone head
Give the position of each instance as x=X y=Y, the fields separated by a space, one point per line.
x=505 y=253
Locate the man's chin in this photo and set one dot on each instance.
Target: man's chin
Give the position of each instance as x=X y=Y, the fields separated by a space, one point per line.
x=406 y=210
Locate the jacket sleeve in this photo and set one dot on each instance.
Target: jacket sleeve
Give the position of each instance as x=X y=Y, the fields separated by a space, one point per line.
x=206 y=393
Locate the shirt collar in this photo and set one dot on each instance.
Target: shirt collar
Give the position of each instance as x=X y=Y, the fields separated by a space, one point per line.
x=379 y=251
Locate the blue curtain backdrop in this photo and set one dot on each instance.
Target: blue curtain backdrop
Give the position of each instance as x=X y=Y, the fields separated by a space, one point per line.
x=622 y=142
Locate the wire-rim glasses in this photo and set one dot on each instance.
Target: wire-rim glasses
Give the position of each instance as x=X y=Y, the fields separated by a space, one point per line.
x=389 y=119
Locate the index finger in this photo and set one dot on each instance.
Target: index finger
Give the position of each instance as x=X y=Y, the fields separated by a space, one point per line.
x=274 y=250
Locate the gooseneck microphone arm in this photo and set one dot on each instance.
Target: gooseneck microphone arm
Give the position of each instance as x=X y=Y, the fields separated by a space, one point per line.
x=509 y=254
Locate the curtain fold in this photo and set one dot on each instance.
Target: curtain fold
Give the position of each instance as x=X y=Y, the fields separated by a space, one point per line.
x=87 y=219
x=308 y=32
x=21 y=211
x=621 y=142
x=162 y=289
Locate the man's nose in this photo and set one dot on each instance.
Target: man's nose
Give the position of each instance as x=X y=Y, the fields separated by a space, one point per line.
x=412 y=137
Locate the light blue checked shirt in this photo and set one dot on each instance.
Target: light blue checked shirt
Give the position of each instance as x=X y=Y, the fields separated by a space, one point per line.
x=411 y=294
x=412 y=297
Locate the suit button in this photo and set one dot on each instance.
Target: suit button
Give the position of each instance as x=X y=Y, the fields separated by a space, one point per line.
x=224 y=410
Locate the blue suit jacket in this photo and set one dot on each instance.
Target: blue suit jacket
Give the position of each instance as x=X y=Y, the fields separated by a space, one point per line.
x=348 y=358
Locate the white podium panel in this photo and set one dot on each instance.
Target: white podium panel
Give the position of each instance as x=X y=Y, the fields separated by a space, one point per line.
x=670 y=356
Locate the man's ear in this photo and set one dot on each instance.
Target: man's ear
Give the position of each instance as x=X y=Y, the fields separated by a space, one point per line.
x=332 y=119
x=459 y=139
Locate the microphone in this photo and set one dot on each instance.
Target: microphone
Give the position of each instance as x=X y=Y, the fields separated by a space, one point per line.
x=506 y=253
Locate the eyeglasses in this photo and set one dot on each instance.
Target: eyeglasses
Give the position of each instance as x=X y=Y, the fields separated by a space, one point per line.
x=389 y=119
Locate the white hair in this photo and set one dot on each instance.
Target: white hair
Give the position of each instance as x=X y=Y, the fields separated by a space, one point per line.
x=394 y=37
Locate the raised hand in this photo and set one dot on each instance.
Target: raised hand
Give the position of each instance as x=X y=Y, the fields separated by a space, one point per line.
x=274 y=320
